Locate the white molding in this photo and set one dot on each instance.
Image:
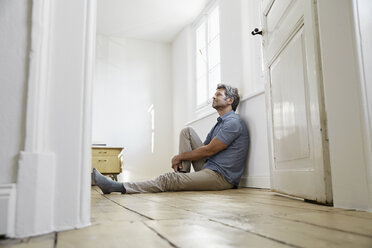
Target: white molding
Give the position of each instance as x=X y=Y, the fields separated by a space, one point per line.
x=262 y=182
x=342 y=90
x=37 y=187
x=7 y=209
x=89 y=61
x=35 y=179
x=201 y=117
x=37 y=94
x=253 y=95
x=207 y=9
x=35 y=194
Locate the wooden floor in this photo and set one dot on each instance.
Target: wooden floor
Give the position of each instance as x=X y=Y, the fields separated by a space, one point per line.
x=231 y=218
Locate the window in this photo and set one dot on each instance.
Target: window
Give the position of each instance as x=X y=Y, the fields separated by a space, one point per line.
x=208 y=72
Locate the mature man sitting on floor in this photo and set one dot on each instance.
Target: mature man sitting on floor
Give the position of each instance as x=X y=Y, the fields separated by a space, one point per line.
x=219 y=162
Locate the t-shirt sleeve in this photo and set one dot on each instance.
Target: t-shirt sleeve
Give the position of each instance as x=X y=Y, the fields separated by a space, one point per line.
x=209 y=138
x=230 y=130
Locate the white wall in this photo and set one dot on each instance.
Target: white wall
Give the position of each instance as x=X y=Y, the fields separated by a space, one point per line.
x=253 y=112
x=252 y=47
x=241 y=59
x=231 y=43
x=343 y=104
x=131 y=75
x=363 y=19
x=14 y=30
x=182 y=80
x=14 y=46
x=241 y=66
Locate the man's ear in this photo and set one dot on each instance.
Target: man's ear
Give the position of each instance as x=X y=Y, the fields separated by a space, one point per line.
x=230 y=100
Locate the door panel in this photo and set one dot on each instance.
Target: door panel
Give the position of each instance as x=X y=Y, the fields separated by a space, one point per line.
x=276 y=14
x=290 y=124
x=286 y=25
x=299 y=149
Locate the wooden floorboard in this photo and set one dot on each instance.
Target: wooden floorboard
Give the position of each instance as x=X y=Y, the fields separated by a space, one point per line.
x=231 y=218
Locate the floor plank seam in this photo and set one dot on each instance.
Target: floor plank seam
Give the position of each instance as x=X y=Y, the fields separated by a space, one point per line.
x=160 y=235
x=177 y=207
x=354 y=216
x=265 y=203
x=280 y=205
x=237 y=228
x=326 y=227
x=131 y=210
x=257 y=234
x=55 y=239
x=134 y=211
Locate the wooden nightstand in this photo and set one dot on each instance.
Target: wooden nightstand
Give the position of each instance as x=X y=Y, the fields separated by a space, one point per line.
x=108 y=160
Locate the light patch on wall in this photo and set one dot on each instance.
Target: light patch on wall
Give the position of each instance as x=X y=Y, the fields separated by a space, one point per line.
x=152 y=113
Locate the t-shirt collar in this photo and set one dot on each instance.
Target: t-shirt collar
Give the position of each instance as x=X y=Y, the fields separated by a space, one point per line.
x=225 y=116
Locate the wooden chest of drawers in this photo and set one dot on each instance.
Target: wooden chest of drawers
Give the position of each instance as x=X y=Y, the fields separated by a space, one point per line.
x=108 y=160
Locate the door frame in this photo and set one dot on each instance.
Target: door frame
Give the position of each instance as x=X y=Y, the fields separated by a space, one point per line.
x=348 y=133
x=364 y=61
x=38 y=185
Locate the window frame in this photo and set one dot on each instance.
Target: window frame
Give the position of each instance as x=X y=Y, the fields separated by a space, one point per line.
x=204 y=18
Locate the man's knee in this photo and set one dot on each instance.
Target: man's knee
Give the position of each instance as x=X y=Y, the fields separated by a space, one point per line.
x=168 y=181
x=186 y=131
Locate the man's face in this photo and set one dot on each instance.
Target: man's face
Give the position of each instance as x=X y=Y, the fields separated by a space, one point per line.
x=219 y=100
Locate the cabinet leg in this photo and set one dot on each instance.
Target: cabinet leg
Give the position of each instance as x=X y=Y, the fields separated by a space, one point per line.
x=113 y=177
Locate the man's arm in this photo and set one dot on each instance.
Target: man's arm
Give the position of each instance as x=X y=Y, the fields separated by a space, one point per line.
x=215 y=146
x=209 y=137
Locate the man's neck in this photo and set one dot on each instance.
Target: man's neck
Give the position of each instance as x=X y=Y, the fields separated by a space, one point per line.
x=224 y=111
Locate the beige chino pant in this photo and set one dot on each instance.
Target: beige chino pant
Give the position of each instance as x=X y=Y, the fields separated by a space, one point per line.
x=201 y=179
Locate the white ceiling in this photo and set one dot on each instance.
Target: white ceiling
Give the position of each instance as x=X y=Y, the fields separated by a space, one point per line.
x=155 y=20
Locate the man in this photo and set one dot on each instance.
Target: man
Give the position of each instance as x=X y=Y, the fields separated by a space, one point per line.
x=219 y=162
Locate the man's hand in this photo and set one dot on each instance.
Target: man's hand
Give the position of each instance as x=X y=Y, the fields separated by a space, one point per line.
x=176 y=163
x=214 y=147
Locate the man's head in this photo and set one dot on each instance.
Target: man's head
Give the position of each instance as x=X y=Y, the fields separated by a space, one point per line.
x=225 y=96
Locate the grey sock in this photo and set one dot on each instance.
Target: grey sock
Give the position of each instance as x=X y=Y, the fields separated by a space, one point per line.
x=107 y=185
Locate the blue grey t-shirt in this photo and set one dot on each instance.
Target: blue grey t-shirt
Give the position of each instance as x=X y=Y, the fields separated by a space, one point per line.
x=230 y=162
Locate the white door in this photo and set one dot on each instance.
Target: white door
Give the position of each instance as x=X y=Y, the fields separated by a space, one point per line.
x=300 y=165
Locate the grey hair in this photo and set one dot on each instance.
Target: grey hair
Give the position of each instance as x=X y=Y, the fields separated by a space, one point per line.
x=230 y=92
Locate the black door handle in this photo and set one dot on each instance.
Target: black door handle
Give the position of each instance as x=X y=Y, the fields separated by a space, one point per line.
x=256 y=31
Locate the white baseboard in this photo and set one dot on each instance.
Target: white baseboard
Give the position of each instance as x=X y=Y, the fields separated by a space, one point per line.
x=7 y=209
x=35 y=194
x=262 y=182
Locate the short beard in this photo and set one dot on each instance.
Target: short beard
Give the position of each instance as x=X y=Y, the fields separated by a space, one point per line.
x=216 y=107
